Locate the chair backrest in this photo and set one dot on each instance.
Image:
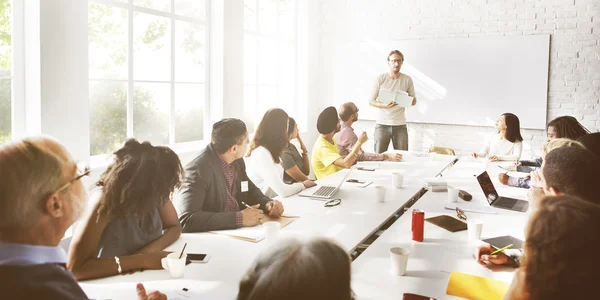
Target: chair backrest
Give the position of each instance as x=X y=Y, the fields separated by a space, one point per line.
x=441 y=150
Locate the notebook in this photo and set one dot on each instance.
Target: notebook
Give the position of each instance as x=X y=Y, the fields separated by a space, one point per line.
x=447 y=222
x=257 y=233
x=475 y=287
x=401 y=98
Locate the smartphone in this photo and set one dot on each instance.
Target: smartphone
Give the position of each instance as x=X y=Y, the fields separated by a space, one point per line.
x=365 y=169
x=198 y=258
x=355 y=181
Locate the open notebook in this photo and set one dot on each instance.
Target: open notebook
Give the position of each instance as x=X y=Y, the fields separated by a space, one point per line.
x=257 y=233
x=401 y=98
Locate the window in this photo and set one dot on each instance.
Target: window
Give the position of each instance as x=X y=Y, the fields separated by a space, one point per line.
x=269 y=58
x=147 y=70
x=6 y=75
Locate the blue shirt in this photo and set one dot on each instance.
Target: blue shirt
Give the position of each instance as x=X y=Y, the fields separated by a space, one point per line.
x=26 y=255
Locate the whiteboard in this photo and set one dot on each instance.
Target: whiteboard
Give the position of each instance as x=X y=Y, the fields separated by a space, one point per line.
x=463 y=81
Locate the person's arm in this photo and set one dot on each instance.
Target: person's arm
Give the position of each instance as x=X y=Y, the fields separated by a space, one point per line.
x=272 y=174
x=296 y=174
x=411 y=92
x=305 y=158
x=370 y=156
x=350 y=159
x=193 y=218
x=516 y=153
x=375 y=93
x=171 y=229
x=291 y=169
x=484 y=151
x=82 y=259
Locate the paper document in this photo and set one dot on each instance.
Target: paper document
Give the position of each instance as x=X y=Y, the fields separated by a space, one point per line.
x=257 y=233
x=475 y=287
x=401 y=98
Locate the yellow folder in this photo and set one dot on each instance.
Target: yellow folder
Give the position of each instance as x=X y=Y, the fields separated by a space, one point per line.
x=475 y=287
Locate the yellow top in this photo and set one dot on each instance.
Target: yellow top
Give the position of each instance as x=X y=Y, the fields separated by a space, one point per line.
x=323 y=155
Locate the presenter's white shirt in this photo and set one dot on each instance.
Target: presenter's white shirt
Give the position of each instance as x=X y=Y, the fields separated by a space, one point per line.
x=392 y=116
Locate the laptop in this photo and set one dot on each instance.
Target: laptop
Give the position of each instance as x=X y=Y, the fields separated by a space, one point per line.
x=498 y=201
x=324 y=192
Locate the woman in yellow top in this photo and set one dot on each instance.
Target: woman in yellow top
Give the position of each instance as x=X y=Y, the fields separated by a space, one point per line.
x=326 y=158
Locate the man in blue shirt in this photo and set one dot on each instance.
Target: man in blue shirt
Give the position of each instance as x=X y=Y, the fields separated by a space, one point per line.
x=41 y=196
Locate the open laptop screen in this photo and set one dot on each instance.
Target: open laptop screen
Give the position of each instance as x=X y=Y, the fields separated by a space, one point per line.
x=487 y=186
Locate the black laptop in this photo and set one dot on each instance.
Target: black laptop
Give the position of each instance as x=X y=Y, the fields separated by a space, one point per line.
x=497 y=201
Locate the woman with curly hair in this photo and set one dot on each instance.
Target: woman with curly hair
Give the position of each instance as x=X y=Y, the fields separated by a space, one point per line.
x=134 y=218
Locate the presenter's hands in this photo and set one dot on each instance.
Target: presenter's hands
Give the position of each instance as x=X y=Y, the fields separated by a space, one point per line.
x=392 y=156
x=414 y=102
x=155 y=295
x=483 y=257
x=390 y=104
x=308 y=183
x=363 y=138
x=275 y=208
x=251 y=216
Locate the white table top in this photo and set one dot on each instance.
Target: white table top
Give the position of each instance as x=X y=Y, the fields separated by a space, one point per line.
x=357 y=217
x=441 y=249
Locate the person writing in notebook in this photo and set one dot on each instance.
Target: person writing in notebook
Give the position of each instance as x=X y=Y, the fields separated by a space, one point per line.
x=216 y=192
x=346 y=138
x=326 y=158
x=391 y=121
x=506 y=144
x=41 y=196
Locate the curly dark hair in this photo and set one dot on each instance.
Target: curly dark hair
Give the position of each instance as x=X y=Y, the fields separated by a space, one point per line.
x=568 y=127
x=271 y=133
x=141 y=179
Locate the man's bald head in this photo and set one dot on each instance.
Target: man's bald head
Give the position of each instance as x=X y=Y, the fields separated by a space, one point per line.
x=347 y=110
x=31 y=169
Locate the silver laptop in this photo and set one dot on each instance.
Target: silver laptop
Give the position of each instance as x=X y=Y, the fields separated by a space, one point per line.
x=324 y=192
x=498 y=201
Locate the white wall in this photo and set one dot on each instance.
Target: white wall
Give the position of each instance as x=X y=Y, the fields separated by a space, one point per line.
x=574 y=83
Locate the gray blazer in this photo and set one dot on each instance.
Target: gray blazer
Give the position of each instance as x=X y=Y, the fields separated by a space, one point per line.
x=204 y=194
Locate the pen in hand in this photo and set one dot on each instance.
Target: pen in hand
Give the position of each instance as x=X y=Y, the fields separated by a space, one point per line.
x=501 y=249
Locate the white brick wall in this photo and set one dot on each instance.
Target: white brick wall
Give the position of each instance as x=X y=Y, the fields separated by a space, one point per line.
x=574 y=25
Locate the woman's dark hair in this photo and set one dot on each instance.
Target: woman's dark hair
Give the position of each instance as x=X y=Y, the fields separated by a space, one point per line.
x=293 y=270
x=591 y=142
x=271 y=133
x=291 y=126
x=226 y=133
x=568 y=127
x=513 y=128
x=562 y=236
x=141 y=179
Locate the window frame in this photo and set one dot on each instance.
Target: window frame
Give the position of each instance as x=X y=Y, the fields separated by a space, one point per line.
x=100 y=159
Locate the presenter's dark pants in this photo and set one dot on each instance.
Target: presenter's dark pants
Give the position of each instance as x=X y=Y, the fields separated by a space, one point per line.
x=397 y=134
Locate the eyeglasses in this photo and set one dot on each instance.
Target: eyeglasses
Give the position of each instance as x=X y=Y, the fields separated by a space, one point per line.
x=82 y=170
x=461 y=214
x=396 y=61
x=333 y=202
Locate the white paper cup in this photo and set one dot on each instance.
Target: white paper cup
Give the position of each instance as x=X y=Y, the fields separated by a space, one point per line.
x=474 y=228
x=397 y=180
x=271 y=230
x=174 y=264
x=380 y=194
x=452 y=195
x=398 y=260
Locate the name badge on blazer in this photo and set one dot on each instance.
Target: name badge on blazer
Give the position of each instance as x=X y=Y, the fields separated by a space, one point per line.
x=244 y=186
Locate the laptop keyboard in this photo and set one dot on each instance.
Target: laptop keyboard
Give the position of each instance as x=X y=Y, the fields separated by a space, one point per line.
x=506 y=203
x=324 y=191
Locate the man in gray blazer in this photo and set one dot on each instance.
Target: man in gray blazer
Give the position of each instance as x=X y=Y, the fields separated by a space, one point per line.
x=217 y=193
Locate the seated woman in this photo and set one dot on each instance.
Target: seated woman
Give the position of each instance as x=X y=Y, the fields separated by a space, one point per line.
x=263 y=161
x=506 y=144
x=561 y=238
x=533 y=179
x=565 y=127
x=318 y=270
x=296 y=166
x=134 y=218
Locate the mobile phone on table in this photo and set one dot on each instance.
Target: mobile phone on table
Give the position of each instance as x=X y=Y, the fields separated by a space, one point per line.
x=408 y=296
x=365 y=169
x=198 y=257
x=355 y=181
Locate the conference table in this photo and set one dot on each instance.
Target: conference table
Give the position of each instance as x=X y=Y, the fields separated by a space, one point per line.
x=441 y=252
x=350 y=223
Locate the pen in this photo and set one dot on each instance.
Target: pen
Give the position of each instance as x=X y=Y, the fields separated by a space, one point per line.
x=246 y=205
x=501 y=249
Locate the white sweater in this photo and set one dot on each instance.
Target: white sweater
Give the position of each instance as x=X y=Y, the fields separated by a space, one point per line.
x=503 y=149
x=268 y=175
